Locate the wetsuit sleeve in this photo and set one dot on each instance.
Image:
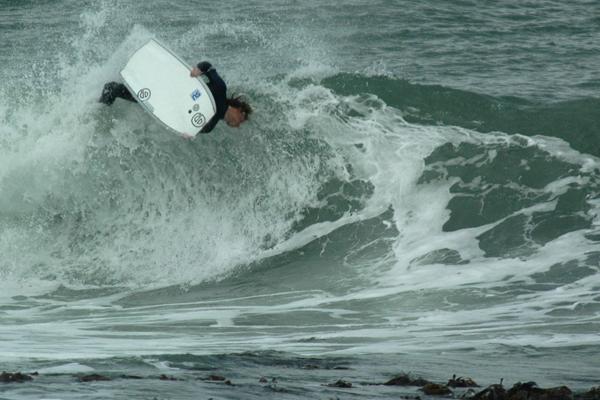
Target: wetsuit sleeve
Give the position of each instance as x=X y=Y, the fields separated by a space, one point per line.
x=204 y=66
x=219 y=91
x=210 y=125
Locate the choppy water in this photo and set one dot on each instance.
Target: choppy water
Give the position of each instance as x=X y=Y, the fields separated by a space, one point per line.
x=418 y=190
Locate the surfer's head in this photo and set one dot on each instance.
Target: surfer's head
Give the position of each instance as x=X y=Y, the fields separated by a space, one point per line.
x=238 y=111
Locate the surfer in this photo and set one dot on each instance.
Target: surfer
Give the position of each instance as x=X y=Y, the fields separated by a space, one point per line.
x=233 y=110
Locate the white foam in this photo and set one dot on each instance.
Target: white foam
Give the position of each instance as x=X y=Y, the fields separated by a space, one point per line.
x=184 y=215
x=70 y=368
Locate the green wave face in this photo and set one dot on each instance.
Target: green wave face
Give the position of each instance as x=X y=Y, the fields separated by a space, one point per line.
x=575 y=121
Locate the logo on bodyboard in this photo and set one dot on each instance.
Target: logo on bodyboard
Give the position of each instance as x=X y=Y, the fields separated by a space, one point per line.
x=144 y=94
x=198 y=120
x=196 y=94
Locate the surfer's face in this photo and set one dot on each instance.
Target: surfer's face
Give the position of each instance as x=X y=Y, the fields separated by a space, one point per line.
x=234 y=117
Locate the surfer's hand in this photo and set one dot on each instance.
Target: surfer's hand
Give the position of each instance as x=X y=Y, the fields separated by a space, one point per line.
x=186 y=136
x=195 y=72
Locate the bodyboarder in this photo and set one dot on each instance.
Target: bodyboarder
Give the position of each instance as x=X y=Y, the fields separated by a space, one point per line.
x=233 y=110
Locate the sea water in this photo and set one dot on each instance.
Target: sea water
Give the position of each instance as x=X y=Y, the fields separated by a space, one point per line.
x=416 y=191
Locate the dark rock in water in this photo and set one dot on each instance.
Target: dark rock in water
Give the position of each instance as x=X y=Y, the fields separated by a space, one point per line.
x=518 y=387
x=315 y=366
x=420 y=382
x=406 y=380
x=592 y=394
x=93 y=377
x=263 y=380
x=341 y=384
x=400 y=380
x=9 y=377
x=217 y=378
x=434 y=389
x=164 y=377
x=492 y=392
x=311 y=366
x=131 y=377
x=556 y=393
x=461 y=382
x=530 y=391
x=469 y=394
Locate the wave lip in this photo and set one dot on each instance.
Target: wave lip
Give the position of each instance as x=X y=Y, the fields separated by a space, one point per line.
x=575 y=121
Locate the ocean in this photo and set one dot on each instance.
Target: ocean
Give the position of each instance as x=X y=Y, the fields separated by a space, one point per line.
x=417 y=191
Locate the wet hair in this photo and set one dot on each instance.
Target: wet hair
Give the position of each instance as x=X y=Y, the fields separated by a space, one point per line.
x=241 y=104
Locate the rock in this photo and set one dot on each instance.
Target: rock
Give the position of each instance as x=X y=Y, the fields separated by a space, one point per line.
x=311 y=366
x=219 y=378
x=9 y=377
x=461 y=382
x=406 y=380
x=131 y=377
x=492 y=392
x=555 y=393
x=263 y=380
x=93 y=378
x=468 y=394
x=530 y=391
x=400 y=380
x=216 y=378
x=420 y=382
x=341 y=384
x=592 y=394
x=434 y=389
x=520 y=390
x=164 y=377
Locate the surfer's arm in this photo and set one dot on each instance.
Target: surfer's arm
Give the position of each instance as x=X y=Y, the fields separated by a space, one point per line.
x=218 y=89
x=201 y=69
x=204 y=66
x=210 y=125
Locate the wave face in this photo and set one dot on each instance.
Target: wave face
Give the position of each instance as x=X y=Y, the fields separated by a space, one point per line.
x=415 y=180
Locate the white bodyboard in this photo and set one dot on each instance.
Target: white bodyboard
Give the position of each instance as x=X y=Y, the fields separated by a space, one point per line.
x=162 y=84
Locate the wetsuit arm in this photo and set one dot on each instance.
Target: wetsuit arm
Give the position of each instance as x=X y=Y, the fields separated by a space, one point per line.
x=210 y=125
x=204 y=66
x=218 y=89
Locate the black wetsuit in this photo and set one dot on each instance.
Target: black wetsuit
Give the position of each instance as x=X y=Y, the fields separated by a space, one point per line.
x=217 y=87
x=112 y=90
